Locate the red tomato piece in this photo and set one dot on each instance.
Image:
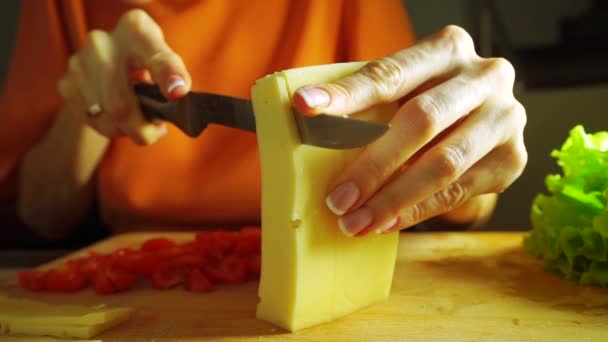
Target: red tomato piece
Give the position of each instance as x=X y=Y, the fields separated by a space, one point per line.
x=65 y=279
x=188 y=260
x=87 y=267
x=102 y=284
x=121 y=252
x=32 y=280
x=230 y=270
x=253 y=265
x=198 y=282
x=249 y=241
x=140 y=263
x=168 y=275
x=121 y=281
x=225 y=241
x=157 y=244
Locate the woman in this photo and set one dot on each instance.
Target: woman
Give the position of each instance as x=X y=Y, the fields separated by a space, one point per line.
x=459 y=126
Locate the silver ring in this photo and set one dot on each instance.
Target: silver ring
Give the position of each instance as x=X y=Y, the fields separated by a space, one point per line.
x=94 y=110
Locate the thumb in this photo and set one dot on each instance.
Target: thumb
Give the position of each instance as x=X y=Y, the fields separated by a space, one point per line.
x=377 y=82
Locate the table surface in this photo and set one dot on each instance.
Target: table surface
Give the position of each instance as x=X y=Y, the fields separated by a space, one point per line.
x=447 y=287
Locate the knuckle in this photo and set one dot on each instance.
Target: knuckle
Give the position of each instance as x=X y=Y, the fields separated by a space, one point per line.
x=427 y=112
x=137 y=22
x=63 y=87
x=450 y=161
x=94 y=37
x=415 y=213
x=374 y=168
x=518 y=112
x=74 y=64
x=96 y=46
x=134 y=19
x=518 y=156
x=386 y=75
x=458 y=39
x=163 y=59
x=503 y=68
x=450 y=197
x=514 y=159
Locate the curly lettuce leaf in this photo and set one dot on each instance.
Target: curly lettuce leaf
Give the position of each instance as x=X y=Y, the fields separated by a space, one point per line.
x=570 y=224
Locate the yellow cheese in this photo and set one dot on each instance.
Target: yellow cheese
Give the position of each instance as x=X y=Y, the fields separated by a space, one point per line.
x=28 y=317
x=311 y=272
x=39 y=339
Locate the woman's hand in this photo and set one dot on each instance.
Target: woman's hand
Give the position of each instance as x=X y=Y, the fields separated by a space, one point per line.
x=460 y=131
x=99 y=77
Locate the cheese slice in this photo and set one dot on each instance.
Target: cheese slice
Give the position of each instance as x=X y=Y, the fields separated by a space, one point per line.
x=311 y=272
x=28 y=317
x=39 y=339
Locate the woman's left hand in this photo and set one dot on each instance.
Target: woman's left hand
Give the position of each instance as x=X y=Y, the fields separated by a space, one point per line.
x=460 y=131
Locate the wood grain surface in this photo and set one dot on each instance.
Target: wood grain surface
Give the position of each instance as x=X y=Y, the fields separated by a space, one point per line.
x=447 y=287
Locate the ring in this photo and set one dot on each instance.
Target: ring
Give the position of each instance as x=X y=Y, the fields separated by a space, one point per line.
x=94 y=110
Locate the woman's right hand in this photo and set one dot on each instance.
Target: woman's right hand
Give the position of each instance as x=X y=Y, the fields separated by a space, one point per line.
x=100 y=77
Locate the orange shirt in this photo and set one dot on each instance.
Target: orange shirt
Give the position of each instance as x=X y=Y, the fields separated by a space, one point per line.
x=226 y=45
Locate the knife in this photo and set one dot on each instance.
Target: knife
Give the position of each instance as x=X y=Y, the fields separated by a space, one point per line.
x=195 y=111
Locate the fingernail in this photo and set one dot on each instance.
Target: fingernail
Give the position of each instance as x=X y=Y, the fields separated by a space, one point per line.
x=392 y=223
x=342 y=198
x=175 y=82
x=314 y=97
x=352 y=223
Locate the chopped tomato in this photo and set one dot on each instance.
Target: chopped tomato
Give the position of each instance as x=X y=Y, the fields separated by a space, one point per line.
x=32 y=280
x=120 y=279
x=249 y=241
x=141 y=263
x=168 y=275
x=254 y=266
x=87 y=267
x=216 y=244
x=198 y=282
x=230 y=270
x=102 y=284
x=65 y=279
x=157 y=244
x=121 y=252
x=225 y=241
x=214 y=257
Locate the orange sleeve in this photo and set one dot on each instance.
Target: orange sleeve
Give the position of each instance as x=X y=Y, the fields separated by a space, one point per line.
x=29 y=97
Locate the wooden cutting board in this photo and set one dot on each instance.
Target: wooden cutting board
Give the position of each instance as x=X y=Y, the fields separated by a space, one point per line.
x=447 y=287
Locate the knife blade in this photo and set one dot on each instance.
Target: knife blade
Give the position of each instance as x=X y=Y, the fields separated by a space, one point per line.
x=195 y=111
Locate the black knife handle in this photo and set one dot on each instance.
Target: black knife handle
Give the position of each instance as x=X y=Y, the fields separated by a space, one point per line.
x=154 y=106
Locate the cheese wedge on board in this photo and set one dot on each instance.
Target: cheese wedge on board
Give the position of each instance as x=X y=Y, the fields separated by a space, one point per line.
x=28 y=317
x=311 y=272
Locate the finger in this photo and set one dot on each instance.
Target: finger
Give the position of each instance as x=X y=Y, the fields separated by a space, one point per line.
x=76 y=105
x=86 y=96
x=387 y=79
x=140 y=76
x=142 y=41
x=492 y=174
x=112 y=90
x=440 y=166
x=413 y=127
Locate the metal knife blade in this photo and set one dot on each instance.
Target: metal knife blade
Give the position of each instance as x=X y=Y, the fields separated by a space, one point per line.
x=195 y=111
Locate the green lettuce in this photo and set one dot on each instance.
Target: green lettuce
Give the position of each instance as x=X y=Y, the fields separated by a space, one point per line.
x=570 y=225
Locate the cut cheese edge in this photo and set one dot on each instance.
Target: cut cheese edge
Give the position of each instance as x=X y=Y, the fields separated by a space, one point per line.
x=34 y=318
x=311 y=272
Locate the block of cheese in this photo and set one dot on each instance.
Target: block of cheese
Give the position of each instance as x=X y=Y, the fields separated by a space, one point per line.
x=34 y=318
x=311 y=272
